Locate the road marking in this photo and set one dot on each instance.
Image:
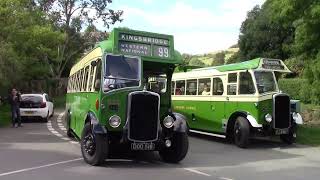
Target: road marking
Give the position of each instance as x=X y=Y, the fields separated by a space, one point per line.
x=196 y=171
x=38 y=167
x=224 y=178
x=209 y=134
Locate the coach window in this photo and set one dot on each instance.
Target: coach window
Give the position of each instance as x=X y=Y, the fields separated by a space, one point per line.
x=85 y=79
x=97 y=81
x=204 y=87
x=246 y=85
x=191 y=87
x=217 y=86
x=172 y=87
x=91 y=76
x=180 y=87
x=232 y=84
x=80 y=80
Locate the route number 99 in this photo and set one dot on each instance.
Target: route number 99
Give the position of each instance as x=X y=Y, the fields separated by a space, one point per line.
x=163 y=52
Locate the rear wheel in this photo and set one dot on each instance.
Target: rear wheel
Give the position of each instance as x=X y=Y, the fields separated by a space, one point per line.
x=241 y=132
x=94 y=147
x=46 y=118
x=178 y=149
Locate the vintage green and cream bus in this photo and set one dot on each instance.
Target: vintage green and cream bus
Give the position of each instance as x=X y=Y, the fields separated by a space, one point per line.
x=237 y=101
x=116 y=99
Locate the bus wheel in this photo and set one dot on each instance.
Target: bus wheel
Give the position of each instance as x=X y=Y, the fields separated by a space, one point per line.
x=178 y=149
x=93 y=146
x=289 y=138
x=241 y=132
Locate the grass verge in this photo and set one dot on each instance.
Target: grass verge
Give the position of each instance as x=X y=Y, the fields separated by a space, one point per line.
x=309 y=135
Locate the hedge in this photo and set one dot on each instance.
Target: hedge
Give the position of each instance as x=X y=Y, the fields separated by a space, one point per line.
x=299 y=89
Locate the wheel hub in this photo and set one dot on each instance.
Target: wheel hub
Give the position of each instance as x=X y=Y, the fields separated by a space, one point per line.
x=88 y=144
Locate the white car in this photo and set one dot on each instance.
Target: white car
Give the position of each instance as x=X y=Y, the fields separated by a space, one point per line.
x=37 y=106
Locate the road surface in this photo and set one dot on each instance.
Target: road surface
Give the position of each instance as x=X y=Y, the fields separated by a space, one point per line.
x=42 y=151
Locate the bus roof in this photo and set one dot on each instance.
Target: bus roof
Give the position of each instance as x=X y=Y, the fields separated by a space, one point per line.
x=258 y=64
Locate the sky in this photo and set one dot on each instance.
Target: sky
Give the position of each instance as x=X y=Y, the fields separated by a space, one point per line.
x=198 y=26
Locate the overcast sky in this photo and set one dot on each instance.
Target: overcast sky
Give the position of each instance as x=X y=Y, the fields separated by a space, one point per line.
x=198 y=26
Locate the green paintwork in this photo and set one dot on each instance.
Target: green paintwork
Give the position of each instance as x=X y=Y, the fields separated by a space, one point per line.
x=211 y=115
x=251 y=64
x=82 y=103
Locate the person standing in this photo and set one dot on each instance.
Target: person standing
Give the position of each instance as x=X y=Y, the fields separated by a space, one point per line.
x=14 y=100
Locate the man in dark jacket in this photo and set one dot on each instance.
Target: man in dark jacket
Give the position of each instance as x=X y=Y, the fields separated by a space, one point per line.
x=14 y=100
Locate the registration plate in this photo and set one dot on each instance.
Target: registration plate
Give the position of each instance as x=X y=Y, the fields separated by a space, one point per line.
x=282 y=131
x=142 y=146
x=28 y=112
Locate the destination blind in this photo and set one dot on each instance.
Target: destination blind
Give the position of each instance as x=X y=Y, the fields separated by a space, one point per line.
x=144 y=46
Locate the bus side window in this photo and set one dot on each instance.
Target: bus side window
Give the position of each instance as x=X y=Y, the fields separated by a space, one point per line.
x=180 y=87
x=97 y=81
x=172 y=87
x=232 y=84
x=80 y=80
x=246 y=85
x=192 y=87
x=204 y=87
x=85 y=79
x=91 y=78
x=217 y=86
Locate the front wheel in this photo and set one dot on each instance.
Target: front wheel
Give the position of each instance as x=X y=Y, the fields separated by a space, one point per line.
x=241 y=132
x=94 y=147
x=178 y=149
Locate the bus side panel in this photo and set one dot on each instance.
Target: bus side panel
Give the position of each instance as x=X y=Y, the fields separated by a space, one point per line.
x=86 y=103
x=70 y=100
x=201 y=115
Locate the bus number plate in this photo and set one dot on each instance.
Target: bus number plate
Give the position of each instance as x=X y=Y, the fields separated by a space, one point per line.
x=142 y=146
x=282 y=131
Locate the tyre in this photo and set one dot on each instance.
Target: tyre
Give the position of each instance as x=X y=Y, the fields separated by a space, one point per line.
x=94 y=147
x=178 y=150
x=46 y=118
x=241 y=132
x=289 y=138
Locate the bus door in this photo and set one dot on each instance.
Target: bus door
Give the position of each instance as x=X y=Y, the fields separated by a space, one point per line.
x=217 y=103
x=230 y=103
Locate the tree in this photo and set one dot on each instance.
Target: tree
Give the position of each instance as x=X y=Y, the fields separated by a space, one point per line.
x=70 y=16
x=218 y=59
x=261 y=35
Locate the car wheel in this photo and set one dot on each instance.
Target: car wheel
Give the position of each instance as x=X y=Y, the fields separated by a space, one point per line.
x=46 y=119
x=94 y=147
x=178 y=149
x=241 y=132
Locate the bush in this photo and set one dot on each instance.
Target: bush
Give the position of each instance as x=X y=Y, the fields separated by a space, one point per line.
x=295 y=87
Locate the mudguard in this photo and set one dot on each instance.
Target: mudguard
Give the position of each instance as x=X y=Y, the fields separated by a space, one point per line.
x=96 y=127
x=180 y=123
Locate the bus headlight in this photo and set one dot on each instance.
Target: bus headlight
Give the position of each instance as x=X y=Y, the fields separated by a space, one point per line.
x=168 y=122
x=115 y=121
x=268 y=117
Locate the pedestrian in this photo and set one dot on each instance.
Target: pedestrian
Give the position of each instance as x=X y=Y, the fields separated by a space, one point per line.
x=14 y=101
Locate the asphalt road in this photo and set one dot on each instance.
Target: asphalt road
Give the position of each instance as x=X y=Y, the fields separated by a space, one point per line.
x=41 y=151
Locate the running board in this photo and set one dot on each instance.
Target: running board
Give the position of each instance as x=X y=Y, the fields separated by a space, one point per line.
x=206 y=133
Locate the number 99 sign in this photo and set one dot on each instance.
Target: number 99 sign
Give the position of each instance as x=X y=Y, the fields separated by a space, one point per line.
x=161 y=51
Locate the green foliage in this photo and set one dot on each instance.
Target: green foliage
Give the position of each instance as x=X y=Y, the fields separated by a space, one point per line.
x=292 y=87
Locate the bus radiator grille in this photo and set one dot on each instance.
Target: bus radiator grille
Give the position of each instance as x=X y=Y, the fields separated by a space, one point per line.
x=143 y=116
x=281 y=109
